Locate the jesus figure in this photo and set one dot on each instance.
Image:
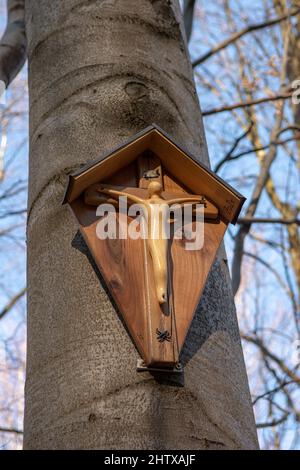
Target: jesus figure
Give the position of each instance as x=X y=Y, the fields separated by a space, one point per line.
x=156 y=211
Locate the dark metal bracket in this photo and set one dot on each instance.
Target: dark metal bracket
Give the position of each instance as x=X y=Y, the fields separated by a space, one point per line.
x=142 y=367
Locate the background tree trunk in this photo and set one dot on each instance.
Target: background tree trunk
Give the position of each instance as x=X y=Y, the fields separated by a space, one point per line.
x=99 y=71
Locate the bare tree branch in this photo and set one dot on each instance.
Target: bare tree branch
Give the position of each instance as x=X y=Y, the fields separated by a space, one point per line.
x=12 y=303
x=12 y=213
x=247 y=103
x=271 y=392
x=261 y=181
x=13 y=42
x=266 y=352
x=229 y=157
x=266 y=220
x=248 y=29
x=274 y=422
x=268 y=266
x=11 y=430
x=245 y=228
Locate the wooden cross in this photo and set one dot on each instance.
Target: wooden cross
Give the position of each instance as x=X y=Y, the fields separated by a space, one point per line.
x=155 y=204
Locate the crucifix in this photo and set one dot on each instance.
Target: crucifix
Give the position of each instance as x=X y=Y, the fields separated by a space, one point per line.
x=156 y=282
x=154 y=204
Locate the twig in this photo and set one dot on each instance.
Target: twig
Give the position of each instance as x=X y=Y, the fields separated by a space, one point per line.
x=12 y=213
x=275 y=422
x=271 y=269
x=271 y=392
x=265 y=220
x=265 y=351
x=228 y=157
x=11 y=430
x=12 y=303
x=248 y=29
x=244 y=104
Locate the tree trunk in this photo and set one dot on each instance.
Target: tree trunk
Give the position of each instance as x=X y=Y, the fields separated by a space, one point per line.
x=99 y=71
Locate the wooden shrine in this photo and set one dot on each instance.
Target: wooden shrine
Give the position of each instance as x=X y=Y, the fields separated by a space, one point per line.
x=155 y=281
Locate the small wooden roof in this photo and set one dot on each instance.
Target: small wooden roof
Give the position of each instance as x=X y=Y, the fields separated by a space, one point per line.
x=183 y=166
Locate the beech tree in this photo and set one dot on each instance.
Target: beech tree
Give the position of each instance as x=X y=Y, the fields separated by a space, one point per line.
x=100 y=71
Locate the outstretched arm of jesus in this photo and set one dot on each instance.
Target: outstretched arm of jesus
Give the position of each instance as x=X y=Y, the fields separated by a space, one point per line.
x=115 y=193
x=94 y=198
x=184 y=200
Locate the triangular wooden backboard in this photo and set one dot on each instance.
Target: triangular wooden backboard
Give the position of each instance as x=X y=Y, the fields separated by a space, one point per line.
x=158 y=331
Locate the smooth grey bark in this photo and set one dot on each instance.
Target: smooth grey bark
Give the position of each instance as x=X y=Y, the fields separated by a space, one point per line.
x=99 y=71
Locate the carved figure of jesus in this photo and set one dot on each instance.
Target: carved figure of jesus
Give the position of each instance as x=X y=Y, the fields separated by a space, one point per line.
x=155 y=209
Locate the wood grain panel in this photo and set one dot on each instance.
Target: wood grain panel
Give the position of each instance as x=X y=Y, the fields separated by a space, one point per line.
x=190 y=270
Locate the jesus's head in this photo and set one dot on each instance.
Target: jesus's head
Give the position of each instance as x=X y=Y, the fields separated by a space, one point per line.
x=154 y=189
